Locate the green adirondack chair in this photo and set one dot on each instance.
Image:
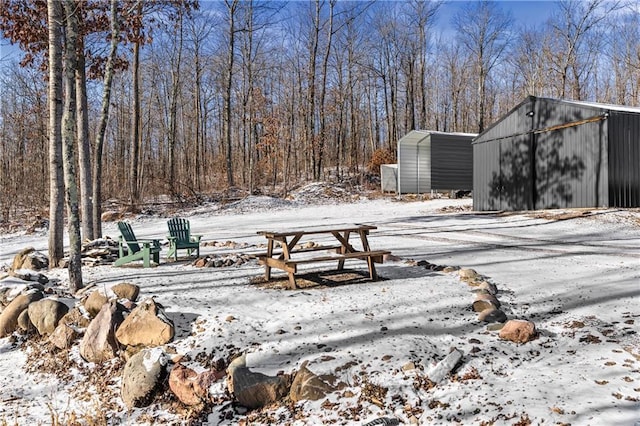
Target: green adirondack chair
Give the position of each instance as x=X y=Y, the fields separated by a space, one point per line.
x=131 y=248
x=180 y=238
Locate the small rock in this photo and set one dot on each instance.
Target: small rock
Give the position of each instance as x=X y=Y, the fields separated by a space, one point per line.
x=482 y=305
x=519 y=331
x=492 y=315
x=489 y=287
x=489 y=298
x=409 y=366
x=495 y=326
x=467 y=273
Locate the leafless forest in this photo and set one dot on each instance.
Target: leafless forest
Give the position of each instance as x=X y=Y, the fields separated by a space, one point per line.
x=263 y=95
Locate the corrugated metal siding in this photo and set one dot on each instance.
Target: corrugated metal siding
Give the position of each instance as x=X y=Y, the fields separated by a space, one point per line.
x=501 y=163
x=451 y=162
x=389 y=177
x=486 y=171
x=624 y=160
x=515 y=122
x=515 y=179
x=414 y=166
x=569 y=165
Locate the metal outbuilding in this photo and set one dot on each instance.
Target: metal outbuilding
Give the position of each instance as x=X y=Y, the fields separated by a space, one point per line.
x=550 y=153
x=434 y=161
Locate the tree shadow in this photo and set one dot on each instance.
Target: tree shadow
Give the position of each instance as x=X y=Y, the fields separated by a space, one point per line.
x=553 y=159
x=182 y=323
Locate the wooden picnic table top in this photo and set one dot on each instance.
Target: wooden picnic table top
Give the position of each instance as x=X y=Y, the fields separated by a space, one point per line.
x=317 y=230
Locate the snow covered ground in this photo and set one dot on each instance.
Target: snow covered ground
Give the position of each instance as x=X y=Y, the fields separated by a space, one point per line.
x=575 y=273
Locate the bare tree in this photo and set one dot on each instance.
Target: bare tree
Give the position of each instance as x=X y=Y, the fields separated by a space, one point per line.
x=102 y=124
x=68 y=144
x=577 y=38
x=232 y=9
x=84 y=145
x=484 y=30
x=56 y=180
x=136 y=124
x=176 y=61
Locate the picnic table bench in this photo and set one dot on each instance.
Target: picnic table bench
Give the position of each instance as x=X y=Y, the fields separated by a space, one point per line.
x=288 y=245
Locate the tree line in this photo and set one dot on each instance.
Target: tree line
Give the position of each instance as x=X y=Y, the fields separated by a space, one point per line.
x=136 y=100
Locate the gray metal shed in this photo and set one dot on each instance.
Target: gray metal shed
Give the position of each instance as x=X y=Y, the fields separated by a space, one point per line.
x=552 y=153
x=430 y=160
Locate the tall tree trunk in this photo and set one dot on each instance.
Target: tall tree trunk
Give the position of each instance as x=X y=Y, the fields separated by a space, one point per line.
x=311 y=96
x=84 y=147
x=136 y=139
x=173 y=110
x=104 y=118
x=68 y=146
x=56 y=181
x=232 y=6
x=323 y=91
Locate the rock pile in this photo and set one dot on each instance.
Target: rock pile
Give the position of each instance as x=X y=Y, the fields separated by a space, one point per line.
x=487 y=305
x=102 y=251
x=111 y=324
x=221 y=260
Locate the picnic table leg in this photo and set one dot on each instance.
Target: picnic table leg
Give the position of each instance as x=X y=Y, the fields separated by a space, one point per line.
x=343 y=250
x=286 y=254
x=267 y=268
x=365 y=247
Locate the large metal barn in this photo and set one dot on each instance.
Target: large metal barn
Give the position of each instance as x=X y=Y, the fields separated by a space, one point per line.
x=550 y=153
x=438 y=161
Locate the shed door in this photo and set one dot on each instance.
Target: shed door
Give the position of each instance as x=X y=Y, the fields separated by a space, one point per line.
x=515 y=183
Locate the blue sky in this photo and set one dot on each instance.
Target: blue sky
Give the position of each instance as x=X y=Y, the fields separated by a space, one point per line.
x=525 y=12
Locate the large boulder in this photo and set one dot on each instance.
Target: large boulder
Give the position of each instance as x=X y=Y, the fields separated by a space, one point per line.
x=251 y=389
x=126 y=291
x=29 y=258
x=142 y=377
x=64 y=335
x=94 y=302
x=190 y=387
x=146 y=325
x=307 y=385
x=518 y=331
x=10 y=314
x=76 y=318
x=24 y=323
x=45 y=315
x=99 y=341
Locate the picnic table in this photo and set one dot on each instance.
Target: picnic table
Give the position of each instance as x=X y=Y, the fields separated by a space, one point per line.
x=282 y=245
